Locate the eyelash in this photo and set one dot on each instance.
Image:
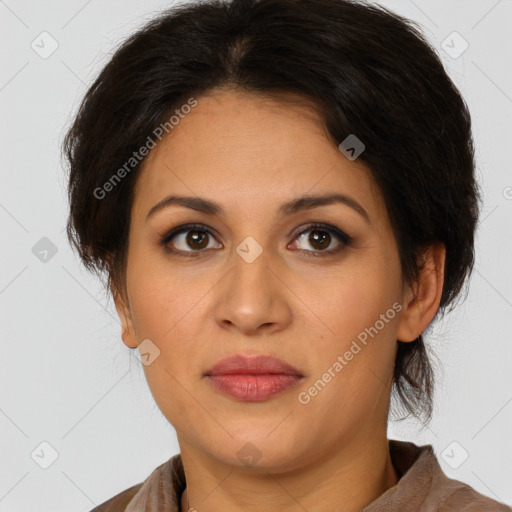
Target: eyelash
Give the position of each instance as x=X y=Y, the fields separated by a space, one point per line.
x=345 y=239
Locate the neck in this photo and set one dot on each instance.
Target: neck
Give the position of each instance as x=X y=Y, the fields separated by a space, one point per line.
x=354 y=475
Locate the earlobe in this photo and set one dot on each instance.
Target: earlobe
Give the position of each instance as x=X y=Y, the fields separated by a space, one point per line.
x=423 y=298
x=127 y=330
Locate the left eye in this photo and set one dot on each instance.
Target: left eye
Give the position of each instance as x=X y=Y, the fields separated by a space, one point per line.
x=321 y=237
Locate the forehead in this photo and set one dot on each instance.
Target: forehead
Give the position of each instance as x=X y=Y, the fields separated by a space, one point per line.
x=235 y=146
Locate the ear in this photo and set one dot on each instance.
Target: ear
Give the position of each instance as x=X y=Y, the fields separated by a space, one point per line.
x=421 y=301
x=127 y=329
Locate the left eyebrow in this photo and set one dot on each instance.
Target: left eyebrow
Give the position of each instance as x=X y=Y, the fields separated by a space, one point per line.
x=209 y=207
x=310 y=202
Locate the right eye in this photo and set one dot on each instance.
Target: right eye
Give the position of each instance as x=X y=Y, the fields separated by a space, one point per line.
x=191 y=239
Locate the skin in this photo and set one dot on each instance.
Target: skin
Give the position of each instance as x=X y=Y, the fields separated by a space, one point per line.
x=251 y=154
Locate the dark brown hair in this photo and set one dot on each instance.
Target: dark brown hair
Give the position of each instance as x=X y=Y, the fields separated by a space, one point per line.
x=367 y=70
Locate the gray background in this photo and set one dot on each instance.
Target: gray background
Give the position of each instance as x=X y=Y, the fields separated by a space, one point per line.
x=67 y=379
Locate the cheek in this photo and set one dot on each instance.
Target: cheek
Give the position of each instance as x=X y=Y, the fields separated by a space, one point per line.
x=170 y=308
x=170 y=320
x=356 y=299
x=360 y=307
x=163 y=300
x=166 y=312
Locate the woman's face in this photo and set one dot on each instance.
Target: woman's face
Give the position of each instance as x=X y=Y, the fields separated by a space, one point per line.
x=255 y=279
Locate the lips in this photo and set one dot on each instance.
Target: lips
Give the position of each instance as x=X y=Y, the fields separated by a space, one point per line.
x=253 y=378
x=252 y=365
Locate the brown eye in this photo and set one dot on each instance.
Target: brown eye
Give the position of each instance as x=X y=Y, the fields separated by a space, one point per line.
x=322 y=239
x=189 y=239
x=196 y=239
x=319 y=240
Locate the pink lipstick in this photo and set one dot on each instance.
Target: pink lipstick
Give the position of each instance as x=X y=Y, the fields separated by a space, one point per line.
x=253 y=378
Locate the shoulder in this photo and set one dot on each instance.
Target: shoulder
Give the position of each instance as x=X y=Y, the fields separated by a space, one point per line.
x=460 y=496
x=167 y=478
x=424 y=485
x=119 y=502
x=452 y=495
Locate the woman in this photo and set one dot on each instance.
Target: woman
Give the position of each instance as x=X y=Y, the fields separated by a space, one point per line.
x=282 y=196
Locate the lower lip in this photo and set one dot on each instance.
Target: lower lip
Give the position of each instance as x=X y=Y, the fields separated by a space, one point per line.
x=253 y=388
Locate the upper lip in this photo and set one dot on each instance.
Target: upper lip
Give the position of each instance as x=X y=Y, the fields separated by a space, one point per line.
x=252 y=365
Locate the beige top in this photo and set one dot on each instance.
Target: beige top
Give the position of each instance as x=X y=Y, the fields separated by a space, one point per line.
x=422 y=487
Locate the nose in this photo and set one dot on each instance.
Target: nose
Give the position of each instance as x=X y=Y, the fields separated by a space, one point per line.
x=252 y=299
